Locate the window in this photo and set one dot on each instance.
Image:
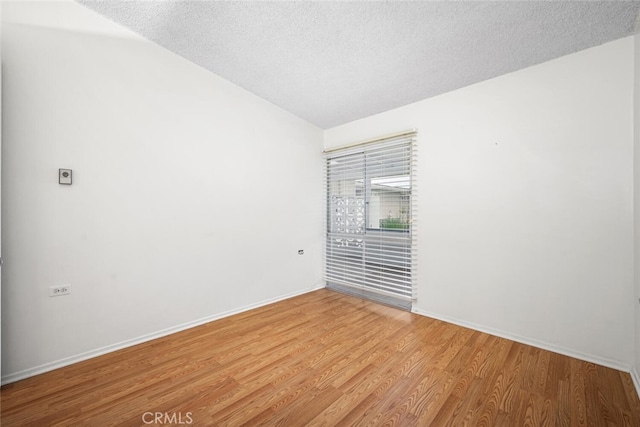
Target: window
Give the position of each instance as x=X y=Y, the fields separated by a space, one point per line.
x=370 y=239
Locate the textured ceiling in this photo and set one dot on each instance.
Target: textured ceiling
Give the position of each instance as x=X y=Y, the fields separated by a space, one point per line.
x=334 y=62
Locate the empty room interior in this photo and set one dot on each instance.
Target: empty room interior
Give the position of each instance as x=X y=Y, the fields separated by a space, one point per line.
x=320 y=213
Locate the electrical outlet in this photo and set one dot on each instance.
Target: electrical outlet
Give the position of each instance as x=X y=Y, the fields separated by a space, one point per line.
x=64 y=176
x=56 y=291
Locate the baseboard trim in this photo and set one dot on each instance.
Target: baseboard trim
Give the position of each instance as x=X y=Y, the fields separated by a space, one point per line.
x=636 y=380
x=41 y=369
x=614 y=364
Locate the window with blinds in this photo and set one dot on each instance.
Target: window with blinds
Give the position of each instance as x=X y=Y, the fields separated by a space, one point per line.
x=371 y=227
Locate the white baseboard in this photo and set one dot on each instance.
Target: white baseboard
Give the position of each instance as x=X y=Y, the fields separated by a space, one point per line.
x=636 y=380
x=614 y=364
x=17 y=376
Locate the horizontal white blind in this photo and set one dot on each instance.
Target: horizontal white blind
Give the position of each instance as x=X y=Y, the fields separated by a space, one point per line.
x=371 y=227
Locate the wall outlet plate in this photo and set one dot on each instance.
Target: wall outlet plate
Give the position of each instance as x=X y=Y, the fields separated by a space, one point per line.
x=65 y=176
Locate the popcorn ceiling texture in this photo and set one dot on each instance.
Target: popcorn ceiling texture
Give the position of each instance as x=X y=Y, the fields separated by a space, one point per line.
x=335 y=62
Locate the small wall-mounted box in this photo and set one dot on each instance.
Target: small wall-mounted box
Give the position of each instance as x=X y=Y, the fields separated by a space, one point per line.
x=64 y=176
x=56 y=291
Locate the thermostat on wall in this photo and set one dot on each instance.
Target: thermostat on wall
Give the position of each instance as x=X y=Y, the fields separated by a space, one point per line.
x=64 y=176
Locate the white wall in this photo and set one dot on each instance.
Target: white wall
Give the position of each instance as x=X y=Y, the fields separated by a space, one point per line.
x=636 y=209
x=525 y=203
x=191 y=196
x=0 y=190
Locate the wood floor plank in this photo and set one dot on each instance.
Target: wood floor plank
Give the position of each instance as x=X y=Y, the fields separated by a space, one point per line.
x=326 y=359
x=632 y=398
x=563 y=401
x=433 y=391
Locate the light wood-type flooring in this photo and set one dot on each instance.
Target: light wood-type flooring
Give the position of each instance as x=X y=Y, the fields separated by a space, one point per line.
x=326 y=359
